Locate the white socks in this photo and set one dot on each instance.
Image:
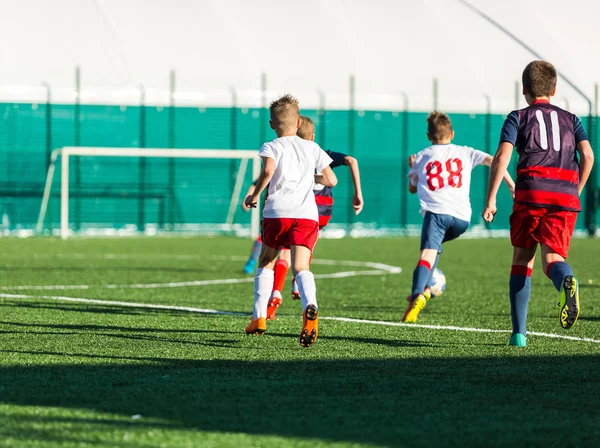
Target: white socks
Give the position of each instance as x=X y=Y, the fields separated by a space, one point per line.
x=263 y=285
x=307 y=287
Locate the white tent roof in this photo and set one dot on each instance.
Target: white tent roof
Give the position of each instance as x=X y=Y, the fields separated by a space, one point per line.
x=391 y=46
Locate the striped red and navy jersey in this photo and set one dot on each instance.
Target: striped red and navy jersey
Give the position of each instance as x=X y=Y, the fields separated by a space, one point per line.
x=324 y=195
x=546 y=139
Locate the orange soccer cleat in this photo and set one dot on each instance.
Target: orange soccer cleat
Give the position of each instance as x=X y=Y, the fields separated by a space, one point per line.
x=257 y=326
x=310 y=326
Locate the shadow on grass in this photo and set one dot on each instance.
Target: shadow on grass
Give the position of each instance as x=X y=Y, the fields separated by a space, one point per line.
x=392 y=402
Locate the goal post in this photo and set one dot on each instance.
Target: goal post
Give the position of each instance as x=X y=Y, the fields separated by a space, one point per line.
x=245 y=156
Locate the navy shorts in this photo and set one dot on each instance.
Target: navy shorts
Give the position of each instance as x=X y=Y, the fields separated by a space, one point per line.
x=438 y=229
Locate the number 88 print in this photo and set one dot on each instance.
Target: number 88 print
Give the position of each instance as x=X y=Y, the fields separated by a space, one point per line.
x=435 y=170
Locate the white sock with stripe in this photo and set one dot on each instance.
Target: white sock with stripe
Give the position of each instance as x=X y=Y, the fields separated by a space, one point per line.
x=263 y=285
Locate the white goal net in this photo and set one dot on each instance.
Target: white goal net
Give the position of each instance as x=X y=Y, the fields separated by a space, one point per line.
x=116 y=191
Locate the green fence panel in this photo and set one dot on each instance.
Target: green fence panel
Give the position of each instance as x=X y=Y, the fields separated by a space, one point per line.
x=119 y=192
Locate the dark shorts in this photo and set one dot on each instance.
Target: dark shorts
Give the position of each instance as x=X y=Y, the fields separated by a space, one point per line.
x=438 y=229
x=287 y=232
x=532 y=225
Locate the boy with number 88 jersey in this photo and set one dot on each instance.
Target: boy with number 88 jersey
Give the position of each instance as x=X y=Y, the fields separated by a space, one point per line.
x=441 y=175
x=549 y=182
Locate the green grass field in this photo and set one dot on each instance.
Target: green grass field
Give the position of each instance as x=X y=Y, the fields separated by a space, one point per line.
x=106 y=373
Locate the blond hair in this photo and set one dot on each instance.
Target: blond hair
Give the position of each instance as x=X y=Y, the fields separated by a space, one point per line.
x=306 y=129
x=539 y=78
x=284 y=112
x=439 y=126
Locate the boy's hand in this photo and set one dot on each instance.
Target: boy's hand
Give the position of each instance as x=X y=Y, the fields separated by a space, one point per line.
x=411 y=160
x=251 y=201
x=489 y=212
x=357 y=203
x=244 y=206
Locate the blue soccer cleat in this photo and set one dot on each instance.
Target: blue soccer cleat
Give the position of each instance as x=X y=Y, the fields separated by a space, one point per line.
x=518 y=340
x=249 y=266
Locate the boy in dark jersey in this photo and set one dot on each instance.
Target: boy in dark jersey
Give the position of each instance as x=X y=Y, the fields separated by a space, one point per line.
x=549 y=182
x=324 y=200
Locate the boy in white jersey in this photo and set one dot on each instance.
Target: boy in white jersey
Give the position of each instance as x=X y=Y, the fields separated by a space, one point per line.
x=290 y=216
x=441 y=175
x=324 y=200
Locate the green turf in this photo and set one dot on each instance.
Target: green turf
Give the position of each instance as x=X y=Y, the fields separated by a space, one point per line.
x=85 y=374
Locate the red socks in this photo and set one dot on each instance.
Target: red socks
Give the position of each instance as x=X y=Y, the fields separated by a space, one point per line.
x=281 y=270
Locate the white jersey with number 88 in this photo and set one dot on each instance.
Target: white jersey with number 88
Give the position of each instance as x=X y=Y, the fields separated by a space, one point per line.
x=442 y=175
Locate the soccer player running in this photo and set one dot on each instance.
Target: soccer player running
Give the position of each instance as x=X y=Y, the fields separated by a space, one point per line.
x=441 y=175
x=290 y=216
x=549 y=183
x=324 y=200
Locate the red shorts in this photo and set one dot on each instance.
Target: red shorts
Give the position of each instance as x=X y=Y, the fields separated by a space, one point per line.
x=323 y=221
x=530 y=226
x=287 y=232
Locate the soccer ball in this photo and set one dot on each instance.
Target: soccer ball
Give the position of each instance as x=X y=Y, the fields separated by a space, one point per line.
x=438 y=283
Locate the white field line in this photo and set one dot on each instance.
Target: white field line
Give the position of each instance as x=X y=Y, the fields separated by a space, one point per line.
x=222 y=281
x=378 y=269
x=453 y=328
x=127 y=304
x=187 y=257
x=339 y=319
x=76 y=256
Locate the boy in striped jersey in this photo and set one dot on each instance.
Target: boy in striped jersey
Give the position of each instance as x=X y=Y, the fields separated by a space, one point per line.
x=549 y=182
x=324 y=200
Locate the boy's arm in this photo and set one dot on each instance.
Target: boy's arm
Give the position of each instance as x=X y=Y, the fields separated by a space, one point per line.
x=508 y=180
x=327 y=177
x=263 y=180
x=411 y=161
x=497 y=172
x=357 y=200
x=586 y=161
x=251 y=189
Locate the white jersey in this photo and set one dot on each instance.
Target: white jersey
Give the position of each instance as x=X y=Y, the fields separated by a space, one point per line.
x=291 y=187
x=442 y=175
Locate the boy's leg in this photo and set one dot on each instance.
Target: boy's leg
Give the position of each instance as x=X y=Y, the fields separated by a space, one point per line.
x=520 y=291
x=255 y=251
x=556 y=230
x=432 y=235
x=304 y=278
x=435 y=263
x=555 y=267
x=308 y=295
x=423 y=271
x=524 y=235
x=561 y=274
x=263 y=283
x=295 y=290
x=281 y=270
x=457 y=228
x=303 y=238
x=274 y=233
